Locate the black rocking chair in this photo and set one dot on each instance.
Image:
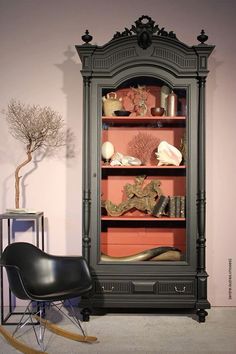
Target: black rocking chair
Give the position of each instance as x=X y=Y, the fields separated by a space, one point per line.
x=45 y=280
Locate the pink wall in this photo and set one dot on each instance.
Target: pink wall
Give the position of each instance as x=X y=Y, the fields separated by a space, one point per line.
x=38 y=64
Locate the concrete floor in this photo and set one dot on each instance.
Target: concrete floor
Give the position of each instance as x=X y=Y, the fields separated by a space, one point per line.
x=146 y=334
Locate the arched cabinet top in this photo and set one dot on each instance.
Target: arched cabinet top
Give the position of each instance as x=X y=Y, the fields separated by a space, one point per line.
x=145 y=44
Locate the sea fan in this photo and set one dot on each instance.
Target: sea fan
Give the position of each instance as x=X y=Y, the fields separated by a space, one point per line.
x=143 y=146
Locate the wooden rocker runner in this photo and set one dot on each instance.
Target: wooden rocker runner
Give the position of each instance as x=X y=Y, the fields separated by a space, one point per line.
x=67 y=334
x=24 y=348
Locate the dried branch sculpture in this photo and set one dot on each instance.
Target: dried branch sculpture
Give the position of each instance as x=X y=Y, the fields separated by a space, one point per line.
x=37 y=128
x=139 y=197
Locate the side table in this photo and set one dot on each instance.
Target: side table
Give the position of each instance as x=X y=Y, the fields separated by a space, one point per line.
x=9 y=219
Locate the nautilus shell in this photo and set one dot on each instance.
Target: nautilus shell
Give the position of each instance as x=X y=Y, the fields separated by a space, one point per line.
x=168 y=154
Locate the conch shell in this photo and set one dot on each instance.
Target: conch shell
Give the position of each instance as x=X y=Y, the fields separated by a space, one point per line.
x=168 y=154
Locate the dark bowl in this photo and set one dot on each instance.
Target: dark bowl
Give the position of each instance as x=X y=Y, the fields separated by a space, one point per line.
x=157 y=111
x=121 y=113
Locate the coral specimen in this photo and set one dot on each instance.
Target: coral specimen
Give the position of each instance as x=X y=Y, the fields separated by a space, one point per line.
x=38 y=128
x=143 y=146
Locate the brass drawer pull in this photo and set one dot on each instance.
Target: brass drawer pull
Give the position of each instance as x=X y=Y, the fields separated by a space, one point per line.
x=107 y=290
x=180 y=290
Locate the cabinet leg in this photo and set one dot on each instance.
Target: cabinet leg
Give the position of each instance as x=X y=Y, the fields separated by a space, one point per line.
x=202 y=315
x=86 y=312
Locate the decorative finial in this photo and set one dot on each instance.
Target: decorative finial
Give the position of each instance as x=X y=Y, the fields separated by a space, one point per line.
x=87 y=37
x=202 y=38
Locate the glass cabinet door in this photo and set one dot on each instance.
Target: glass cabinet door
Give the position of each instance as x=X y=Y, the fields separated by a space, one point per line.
x=143 y=172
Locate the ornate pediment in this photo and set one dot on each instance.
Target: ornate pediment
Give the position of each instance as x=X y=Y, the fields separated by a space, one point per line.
x=145 y=29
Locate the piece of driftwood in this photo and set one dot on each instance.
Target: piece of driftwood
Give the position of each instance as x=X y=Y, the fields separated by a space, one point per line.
x=139 y=197
x=17 y=344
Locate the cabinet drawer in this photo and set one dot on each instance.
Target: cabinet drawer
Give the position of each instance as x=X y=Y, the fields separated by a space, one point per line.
x=175 y=287
x=106 y=287
x=144 y=286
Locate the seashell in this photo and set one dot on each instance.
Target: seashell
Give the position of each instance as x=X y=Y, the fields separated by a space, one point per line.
x=117 y=156
x=125 y=161
x=115 y=162
x=118 y=159
x=132 y=161
x=107 y=150
x=168 y=154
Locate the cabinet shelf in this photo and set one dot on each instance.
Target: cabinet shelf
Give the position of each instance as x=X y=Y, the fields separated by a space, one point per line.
x=139 y=218
x=166 y=120
x=182 y=167
x=149 y=170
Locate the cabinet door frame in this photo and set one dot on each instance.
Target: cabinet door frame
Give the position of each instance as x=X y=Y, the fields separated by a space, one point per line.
x=190 y=85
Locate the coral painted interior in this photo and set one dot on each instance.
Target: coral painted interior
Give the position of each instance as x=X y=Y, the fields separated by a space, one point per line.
x=121 y=137
x=113 y=186
x=153 y=98
x=121 y=241
x=122 y=236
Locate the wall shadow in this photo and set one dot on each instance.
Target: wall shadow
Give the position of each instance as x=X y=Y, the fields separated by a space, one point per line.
x=72 y=88
x=212 y=197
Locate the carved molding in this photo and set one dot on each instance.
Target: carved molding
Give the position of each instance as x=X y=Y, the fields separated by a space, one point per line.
x=158 y=52
x=86 y=62
x=113 y=59
x=172 y=56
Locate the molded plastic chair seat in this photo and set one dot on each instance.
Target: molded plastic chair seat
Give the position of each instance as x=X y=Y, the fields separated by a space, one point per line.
x=36 y=275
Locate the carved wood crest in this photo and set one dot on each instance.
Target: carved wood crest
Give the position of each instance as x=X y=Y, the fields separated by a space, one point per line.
x=144 y=29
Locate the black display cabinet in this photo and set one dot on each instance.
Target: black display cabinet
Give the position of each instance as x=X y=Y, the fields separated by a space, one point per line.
x=146 y=60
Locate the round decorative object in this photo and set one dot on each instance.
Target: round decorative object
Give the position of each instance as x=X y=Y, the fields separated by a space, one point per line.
x=107 y=150
x=157 y=111
x=202 y=37
x=87 y=37
x=121 y=113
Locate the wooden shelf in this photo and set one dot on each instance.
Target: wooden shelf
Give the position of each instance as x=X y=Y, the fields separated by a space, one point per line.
x=182 y=167
x=139 y=218
x=151 y=119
